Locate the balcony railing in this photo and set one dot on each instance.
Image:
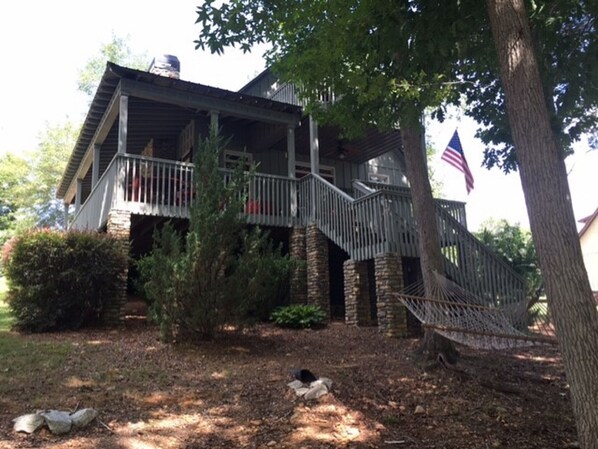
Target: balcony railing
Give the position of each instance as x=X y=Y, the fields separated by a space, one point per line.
x=455 y=208
x=158 y=187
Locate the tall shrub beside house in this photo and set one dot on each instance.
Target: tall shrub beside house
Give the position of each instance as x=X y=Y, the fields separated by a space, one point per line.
x=221 y=273
x=61 y=280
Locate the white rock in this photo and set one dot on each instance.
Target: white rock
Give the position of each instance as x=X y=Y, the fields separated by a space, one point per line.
x=325 y=381
x=296 y=384
x=58 y=422
x=316 y=391
x=28 y=423
x=83 y=417
x=301 y=391
x=419 y=410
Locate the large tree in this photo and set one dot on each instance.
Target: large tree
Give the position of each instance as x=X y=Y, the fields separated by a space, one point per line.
x=379 y=58
x=543 y=177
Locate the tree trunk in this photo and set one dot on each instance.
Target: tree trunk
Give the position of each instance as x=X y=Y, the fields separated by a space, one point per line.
x=424 y=210
x=548 y=201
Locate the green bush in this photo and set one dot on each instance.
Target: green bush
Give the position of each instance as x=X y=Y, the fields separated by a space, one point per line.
x=220 y=273
x=299 y=316
x=61 y=280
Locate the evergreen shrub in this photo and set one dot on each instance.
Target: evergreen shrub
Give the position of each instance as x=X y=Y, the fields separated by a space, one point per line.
x=61 y=280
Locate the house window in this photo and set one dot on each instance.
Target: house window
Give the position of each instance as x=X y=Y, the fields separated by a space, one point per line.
x=232 y=158
x=378 y=177
x=304 y=168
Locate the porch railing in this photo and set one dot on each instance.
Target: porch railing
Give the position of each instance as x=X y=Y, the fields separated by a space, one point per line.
x=159 y=187
x=455 y=208
x=93 y=213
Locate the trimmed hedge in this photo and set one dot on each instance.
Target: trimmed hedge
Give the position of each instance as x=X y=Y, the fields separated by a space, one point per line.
x=61 y=280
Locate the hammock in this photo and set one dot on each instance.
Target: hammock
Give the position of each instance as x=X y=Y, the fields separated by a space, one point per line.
x=464 y=318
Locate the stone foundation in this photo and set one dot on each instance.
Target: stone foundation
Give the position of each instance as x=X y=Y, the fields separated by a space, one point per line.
x=298 y=252
x=392 y=315
x=119 y=226
x=318 y=277
x=357 y=293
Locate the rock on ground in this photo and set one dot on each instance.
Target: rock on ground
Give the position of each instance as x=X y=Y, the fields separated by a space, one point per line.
x=58 y=422
x=28 y=423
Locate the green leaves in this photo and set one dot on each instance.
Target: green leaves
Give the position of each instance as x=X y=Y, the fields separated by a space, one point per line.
x=62 y=280
x=223 y=273
x=117 y=51
x=299 y=316
x=517 y=248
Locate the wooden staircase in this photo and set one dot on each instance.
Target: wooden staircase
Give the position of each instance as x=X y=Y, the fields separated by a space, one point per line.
x=381 y=220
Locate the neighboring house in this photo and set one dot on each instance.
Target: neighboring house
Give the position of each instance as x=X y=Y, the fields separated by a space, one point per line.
x=341 y=205
x=588 y=237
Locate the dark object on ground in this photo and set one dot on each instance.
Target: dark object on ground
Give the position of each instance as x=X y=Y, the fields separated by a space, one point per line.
x=305 y=376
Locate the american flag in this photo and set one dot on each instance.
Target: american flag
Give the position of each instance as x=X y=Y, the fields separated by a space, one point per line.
x=454 y=156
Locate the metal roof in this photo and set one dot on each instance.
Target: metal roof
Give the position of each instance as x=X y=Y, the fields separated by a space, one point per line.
x=111 y=78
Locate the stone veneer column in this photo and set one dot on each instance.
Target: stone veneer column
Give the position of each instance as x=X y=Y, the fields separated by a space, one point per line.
x=392 y=315
x=357 y=293
x=299 y=274
x=119 y=226
x=318 y=277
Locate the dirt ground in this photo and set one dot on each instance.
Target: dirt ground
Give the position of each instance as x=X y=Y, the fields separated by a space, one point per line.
x=232 y=393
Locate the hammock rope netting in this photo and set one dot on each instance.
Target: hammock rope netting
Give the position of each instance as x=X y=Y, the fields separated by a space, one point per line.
x=465 y=318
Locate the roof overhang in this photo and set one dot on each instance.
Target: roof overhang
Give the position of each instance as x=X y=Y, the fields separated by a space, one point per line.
x=587 y=222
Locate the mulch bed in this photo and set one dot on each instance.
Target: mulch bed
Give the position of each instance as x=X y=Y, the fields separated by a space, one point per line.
x=232 y=393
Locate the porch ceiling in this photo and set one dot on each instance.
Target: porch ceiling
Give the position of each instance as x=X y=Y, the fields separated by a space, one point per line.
x=373 y=144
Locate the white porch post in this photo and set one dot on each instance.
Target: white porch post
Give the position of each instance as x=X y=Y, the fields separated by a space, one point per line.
x=314 y=146
x=78 y=195
x=291 y=167
x=314 y=158
x=214 y=121
x=65 y=216
x=123 y=117
x=95 y=167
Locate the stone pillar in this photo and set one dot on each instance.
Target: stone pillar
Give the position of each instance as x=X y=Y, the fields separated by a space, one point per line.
x=392 y=315
x=119 y=226
x=299 y=274
x=357 y=293
x=318 y=276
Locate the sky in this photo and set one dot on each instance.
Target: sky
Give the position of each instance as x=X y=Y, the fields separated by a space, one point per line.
x=44 y=44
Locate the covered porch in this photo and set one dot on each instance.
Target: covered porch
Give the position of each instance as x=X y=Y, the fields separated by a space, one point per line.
x=141 y=134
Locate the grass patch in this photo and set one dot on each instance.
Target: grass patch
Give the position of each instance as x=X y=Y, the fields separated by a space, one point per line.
x=20 y=356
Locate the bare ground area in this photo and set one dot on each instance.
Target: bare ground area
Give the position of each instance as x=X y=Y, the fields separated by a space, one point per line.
x=232 y=393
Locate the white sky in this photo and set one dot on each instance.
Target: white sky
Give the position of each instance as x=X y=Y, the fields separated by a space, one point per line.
x=43 y=45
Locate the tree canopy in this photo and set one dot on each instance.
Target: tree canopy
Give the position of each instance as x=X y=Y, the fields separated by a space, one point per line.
x=516 y=246
x=117 y=51
x=565 y=37
x=28 y=182
x=378 y=57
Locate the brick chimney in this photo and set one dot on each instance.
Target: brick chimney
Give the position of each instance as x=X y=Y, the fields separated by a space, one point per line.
x=166 y=65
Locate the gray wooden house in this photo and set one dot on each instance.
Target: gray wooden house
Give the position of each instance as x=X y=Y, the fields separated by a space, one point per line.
x=343 y=206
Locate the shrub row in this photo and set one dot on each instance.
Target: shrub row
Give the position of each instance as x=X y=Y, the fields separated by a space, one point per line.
x=61 y=280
